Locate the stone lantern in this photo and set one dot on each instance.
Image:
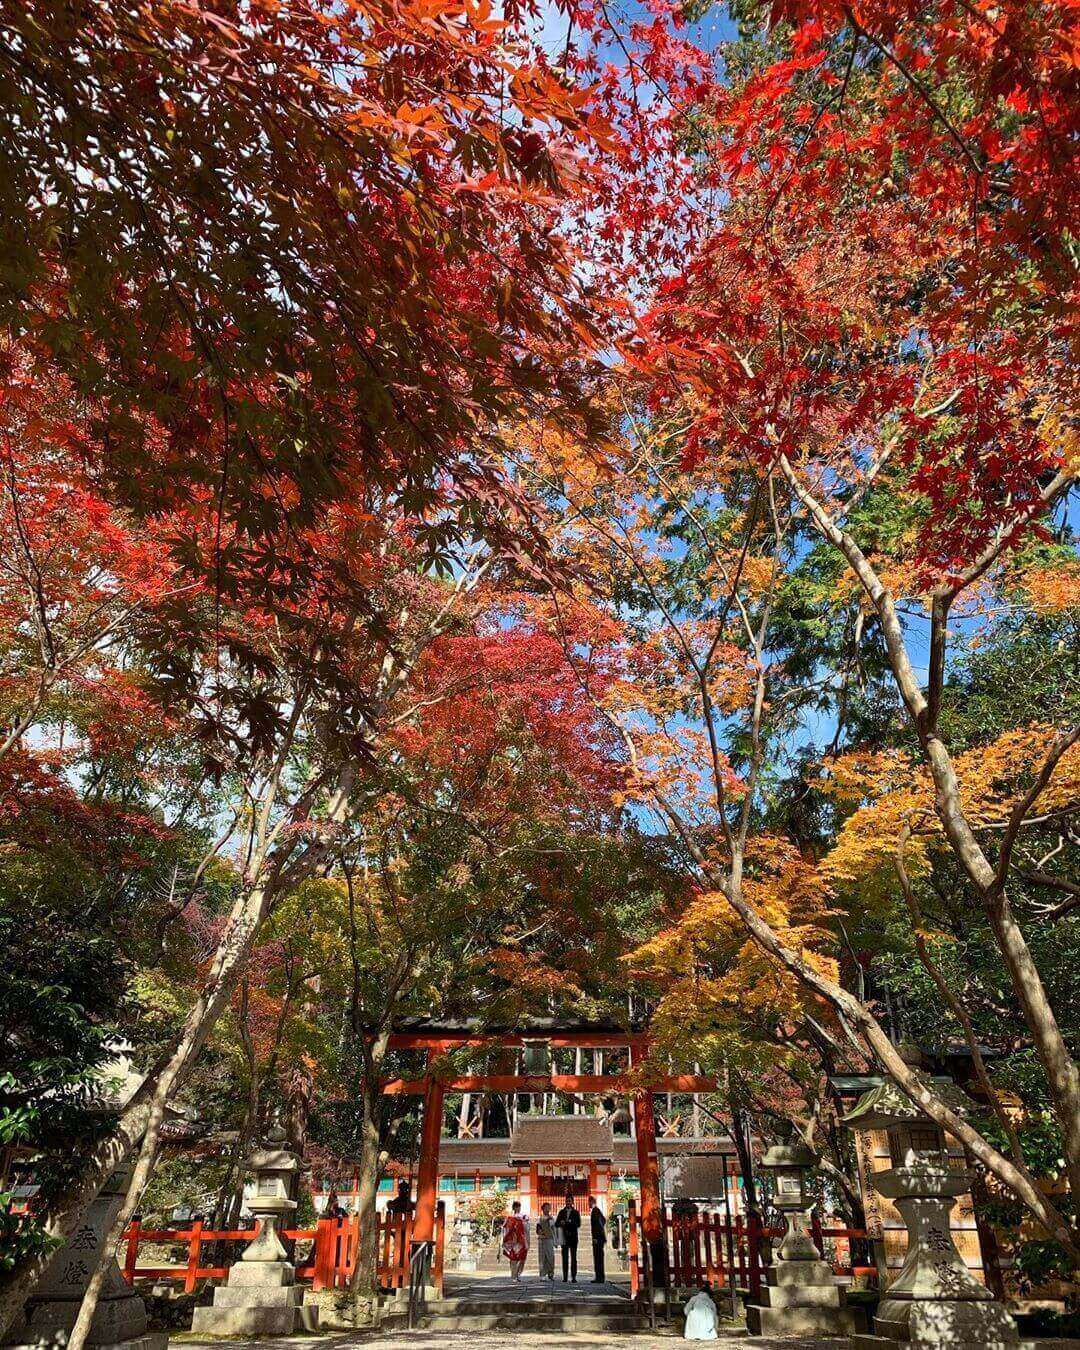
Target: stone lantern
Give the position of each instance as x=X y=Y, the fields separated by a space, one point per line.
x=260 y=1296
x=272 y=1169
x=788 y=1164
x=120 y=1321
x=801 y=1297
x=467 y=1257
x=934 y=1300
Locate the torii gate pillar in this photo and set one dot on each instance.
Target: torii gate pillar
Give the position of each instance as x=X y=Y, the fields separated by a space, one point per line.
x=427 y=1181
x=652 y=1221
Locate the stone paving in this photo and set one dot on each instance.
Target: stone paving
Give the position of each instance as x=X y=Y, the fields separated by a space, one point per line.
x=435 y=1339
x=500 y=1288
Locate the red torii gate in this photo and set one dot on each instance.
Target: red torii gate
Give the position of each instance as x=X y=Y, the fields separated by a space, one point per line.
x=436 y=1039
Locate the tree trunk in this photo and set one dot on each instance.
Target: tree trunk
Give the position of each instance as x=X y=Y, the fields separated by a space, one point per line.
x=140 y=1119
x=1062 y=1072
x=740 y=1133
x=857 y=1016
x=364 y=1286
x=231 y=956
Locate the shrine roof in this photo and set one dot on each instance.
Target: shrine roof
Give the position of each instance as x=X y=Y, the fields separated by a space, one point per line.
x=413 y=1030
x=562 y=1139
x=471 y=1154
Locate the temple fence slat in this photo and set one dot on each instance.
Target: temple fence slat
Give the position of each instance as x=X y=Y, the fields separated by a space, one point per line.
x=709 y=1248
x=328 y=1265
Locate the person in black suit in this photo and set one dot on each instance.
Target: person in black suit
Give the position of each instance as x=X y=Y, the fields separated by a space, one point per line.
x=598 y=1225
x=568 y=1221
x=402 y=1204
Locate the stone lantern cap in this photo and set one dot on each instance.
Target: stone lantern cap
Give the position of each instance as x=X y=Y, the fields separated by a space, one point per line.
x=888 y=1105
x=272 y=1160
x=783 y=1156
x=273 y=1156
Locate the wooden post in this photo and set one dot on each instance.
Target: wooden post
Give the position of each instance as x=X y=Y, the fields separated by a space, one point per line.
x=131 y=1255
x=740 y=1249
x=729 y=1240
x=191 y=1275
x=427 y=1182
x=322 y=1275
x=440 y=1248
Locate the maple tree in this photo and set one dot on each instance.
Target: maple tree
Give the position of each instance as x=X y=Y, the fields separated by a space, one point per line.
x=501 y=760
x=281 y=696
x=877 y=308
x=276 y=246
x=698 y=549
x=334 y=565
x=924 y=953
x=285 y=273
x=721 y=1005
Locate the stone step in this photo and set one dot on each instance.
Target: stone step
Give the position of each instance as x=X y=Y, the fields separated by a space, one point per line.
x=264 y=1274
x=537 y=1322
x=287 y=1321
x=474 y=1299
x=447 y=1307
x=284 y=1296
x=799 y=1272
x=801 y=1296
x=823 y=1322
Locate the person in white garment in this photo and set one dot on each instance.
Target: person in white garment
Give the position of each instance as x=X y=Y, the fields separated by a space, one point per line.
x=701 y=1317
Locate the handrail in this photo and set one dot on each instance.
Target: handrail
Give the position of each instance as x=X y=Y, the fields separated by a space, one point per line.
x=418 y=1280
x=650 y=1288
x=667 y=1287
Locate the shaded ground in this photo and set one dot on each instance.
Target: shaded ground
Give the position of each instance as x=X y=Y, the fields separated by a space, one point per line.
x=435 y=1338
x=509 y=1340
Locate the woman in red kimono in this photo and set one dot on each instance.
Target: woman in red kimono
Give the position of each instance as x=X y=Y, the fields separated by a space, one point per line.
x=515 y=1240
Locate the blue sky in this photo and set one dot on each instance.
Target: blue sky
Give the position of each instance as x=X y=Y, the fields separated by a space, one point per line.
x=715 y=27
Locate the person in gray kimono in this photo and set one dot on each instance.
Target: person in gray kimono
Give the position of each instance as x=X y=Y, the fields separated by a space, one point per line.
x=545 y=1243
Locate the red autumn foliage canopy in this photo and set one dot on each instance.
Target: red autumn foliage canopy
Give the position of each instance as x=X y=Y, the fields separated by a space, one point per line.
x=887 y=269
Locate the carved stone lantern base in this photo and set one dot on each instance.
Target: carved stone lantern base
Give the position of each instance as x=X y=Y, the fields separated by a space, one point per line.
x=935 y=1300
x=801 y=1297
x=261 y=1296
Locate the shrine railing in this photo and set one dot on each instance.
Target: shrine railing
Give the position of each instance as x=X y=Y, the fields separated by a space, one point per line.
x=327 y=1264
x=708 y=1248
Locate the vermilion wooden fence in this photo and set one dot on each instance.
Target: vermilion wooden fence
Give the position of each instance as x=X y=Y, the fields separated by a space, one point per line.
x=707 y=1248
x=329 y=1265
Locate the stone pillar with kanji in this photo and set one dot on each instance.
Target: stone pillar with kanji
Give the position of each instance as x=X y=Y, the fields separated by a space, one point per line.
x=120 y=1321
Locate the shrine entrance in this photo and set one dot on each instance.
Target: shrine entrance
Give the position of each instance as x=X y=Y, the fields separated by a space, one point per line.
x=538 y=1043
x=555 y=1181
